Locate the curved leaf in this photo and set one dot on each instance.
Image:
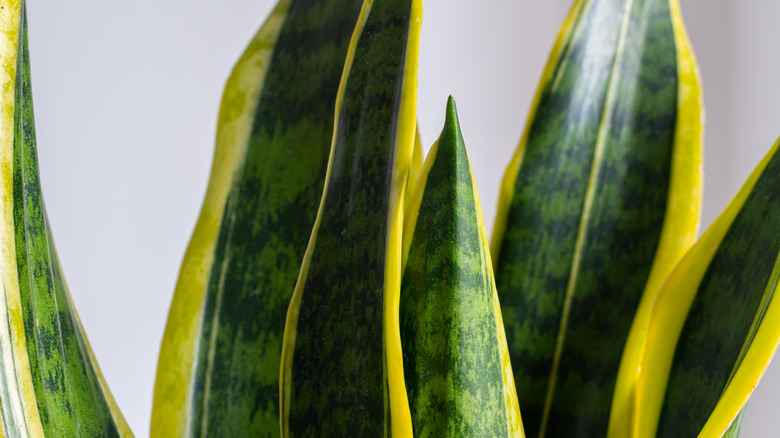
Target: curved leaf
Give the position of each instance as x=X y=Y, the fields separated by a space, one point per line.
x=50 y=384
x=414 y=169
x=218 y=373
x=341 y=363
x=456 y=363
x=736 y=426
x=598 y=204
x=716 y=323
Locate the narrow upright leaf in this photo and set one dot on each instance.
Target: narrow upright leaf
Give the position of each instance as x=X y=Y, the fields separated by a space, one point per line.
x=341 y=365
x=716 y=322
x=50 y=384
x=456 y=363
x=219 y=364
x=414 y=169
x=598 y=204
x=735 y=428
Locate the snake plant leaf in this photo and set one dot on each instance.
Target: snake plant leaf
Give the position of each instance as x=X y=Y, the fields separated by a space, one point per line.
x=716 y=321
x=414 y=169
x=342 y=369
x=736 y=426
x=456 y=364
x=50 y=384
x=598 y=204
x=218 y=373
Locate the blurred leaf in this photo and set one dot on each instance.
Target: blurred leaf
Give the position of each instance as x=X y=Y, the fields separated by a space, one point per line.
x=599 y=203
x=716 y=323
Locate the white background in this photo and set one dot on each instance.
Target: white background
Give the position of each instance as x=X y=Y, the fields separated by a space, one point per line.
x=127 y=94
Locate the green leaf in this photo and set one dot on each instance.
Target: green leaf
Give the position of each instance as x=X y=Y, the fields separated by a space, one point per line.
x=456 y=363
x=715 y=324
x=341 y=364
x=218 y=373
x=736 y=426
x=50 y=384
x=414 y=169
x=599 y=203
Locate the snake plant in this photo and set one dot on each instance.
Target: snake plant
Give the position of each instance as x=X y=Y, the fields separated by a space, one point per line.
x=218 y=372
x=50 y=383
x=336 y=285
x=598 y=204
x=608 y=311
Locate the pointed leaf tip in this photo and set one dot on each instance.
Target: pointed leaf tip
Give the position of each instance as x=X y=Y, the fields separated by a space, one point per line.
x=452 y=110
x=451 y=135
x=448 y=304
x=451 y=116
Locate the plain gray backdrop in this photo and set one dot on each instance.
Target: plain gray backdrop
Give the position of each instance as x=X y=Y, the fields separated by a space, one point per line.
x=126 y=100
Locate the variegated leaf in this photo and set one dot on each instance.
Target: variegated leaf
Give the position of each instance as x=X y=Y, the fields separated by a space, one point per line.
x=599 y=203
x=218 y=373
x=456 y=364
x=715 y=324
x=50 y=384
x=341 y=365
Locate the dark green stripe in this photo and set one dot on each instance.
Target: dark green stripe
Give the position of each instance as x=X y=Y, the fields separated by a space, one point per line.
x=452 y=362
x=69 y=398
x=268 y=220
x=338 y=387
x=722 y=315
x=624 y=225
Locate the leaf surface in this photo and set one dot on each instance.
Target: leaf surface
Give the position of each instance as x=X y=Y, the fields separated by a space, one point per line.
x=456 y=363
x=598 y=204
x=341 y=365
x=50 y=384
x=715 y=324
x=218 y=373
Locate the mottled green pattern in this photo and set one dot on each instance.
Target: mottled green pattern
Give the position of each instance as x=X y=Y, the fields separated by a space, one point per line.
x=267 y=223
x=69 y=397
x=338 y=384
x=619 y=95
x=452 y=365
x=730 y=302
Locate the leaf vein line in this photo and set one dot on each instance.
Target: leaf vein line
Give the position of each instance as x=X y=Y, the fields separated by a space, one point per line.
x=215 y=329
x=567 y=56
x=587 y=207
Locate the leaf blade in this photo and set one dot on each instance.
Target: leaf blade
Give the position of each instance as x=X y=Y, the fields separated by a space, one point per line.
x=239 y=273
x=51 y=383
x=716 y=319
x=584 y=190
x=682 y=218
x=356 y=245
x=449 y=306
